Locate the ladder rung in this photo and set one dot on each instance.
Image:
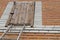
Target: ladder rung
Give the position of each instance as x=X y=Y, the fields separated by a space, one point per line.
x=12 y=33
x=7 y=39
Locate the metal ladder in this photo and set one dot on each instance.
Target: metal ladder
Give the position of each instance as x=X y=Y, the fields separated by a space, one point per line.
x=10 y=27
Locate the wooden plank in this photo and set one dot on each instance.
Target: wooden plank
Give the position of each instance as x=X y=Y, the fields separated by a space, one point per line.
x=23 y=12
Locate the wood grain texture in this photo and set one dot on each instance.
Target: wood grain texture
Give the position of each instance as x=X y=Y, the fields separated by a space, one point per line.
x=23 y=13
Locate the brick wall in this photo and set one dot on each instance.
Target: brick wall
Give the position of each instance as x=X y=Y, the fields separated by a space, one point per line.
x=50 y=11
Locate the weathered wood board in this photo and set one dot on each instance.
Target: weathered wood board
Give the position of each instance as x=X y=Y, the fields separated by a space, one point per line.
x=23 y=13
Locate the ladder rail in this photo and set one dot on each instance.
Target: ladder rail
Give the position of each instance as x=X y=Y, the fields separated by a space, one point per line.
x=20 y=33
x=5 y=32
x=23 y=23
x=9 y=26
